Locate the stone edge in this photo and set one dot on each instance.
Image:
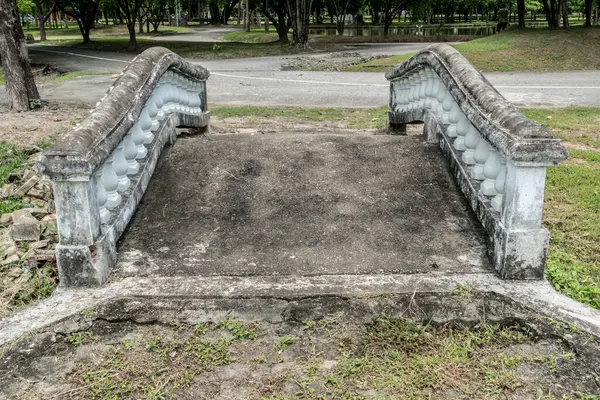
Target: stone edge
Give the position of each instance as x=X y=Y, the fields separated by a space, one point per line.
x=537 y=296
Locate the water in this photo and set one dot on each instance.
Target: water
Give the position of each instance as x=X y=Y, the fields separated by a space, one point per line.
x=466 y=30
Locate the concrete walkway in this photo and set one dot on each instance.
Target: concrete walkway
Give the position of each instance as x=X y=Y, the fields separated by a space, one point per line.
x=302 y=204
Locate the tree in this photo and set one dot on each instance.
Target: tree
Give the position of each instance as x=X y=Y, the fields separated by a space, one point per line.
x=20 y=86
x=340 y=7
x=155 y=10
x=130 y=10
x=390 y=9
x=84 y=12
x=300 y=16
x=281 y=20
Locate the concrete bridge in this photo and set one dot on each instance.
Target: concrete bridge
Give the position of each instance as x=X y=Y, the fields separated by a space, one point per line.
x=465 y=197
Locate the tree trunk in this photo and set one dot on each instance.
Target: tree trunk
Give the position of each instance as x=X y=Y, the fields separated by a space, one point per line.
x=41 y=20
x=521 y=12
x=300 y=15
x=132 y=41
x=564 y=13
x=20 y=86
x=587 y=10
x=140 y=24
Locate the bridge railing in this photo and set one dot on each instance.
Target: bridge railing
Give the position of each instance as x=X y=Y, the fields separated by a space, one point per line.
x=497 y=156
x=101 y=169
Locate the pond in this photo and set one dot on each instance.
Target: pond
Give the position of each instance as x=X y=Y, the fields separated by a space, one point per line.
x=467 y=30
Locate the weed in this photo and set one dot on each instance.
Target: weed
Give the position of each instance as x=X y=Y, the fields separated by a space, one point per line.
x=462 y=291
x=209 y=355
x=239 y=330
x=284 y=342
x=78 y=338
x=200 y=328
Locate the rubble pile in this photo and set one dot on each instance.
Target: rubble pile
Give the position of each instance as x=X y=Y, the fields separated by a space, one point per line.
x=28 y=235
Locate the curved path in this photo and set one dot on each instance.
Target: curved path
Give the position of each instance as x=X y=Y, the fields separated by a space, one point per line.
x=259 y=81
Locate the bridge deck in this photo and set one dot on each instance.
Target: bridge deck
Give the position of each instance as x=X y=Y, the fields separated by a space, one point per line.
x=301 y=204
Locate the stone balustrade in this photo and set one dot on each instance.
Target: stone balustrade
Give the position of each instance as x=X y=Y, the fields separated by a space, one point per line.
x=497 y=156
x=101 y=169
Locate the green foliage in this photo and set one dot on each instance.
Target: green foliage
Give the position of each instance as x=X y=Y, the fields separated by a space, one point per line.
x=78 y=338
x=8 y=206
x=11 y=159
x=239 y=330
x=463 y=291
x=25 y=6
x=35 y=103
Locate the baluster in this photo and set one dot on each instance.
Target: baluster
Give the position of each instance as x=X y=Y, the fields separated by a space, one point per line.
x=146 y=125
x=180 y=94
x=499 y=186
x=139 y=138
x=482 y=153
x=422 y=86
x=429 y=88
x=111 y=183
x=447 y=106
x=405 y=94
x=195 y=99
x=102 y=198
x=157 y=99
x=491 y=169
x=188 y=84
x=411 y=89
x=120 y=167
x=130 y=151
x=168 y=93
x=152 y=113
x=441 y=96
x=472 y=139
x=453 y=117
x=435 y=87
x=462 y=128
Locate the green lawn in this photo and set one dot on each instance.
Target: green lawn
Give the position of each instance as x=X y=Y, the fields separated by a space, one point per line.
x=572 y=204
x=521 y=50
x=193 y=50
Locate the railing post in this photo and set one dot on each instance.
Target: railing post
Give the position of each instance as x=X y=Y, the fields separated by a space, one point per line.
x=521 y=252
x=78 y=219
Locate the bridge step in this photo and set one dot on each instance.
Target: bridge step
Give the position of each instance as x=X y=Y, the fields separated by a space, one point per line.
x=302 y=204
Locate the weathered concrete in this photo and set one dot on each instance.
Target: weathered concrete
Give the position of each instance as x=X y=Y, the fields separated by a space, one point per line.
x=301 y=204
x=497 y=155
x=142 y=299
x=101 y=169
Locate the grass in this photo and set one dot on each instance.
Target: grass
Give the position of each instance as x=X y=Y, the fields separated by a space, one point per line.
x=536 y=49
x=11 y=159
x=73 y=75
x=193 y=50
x=254 y=36
x=388 y=358
x=355 y=118
x=572 y=204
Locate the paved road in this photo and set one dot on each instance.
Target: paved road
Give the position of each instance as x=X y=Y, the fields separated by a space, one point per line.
x=260 y=81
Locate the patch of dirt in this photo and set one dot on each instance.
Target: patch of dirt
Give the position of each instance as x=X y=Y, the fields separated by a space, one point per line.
x=330 y=62
x=41 y=125
x=330 y=358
